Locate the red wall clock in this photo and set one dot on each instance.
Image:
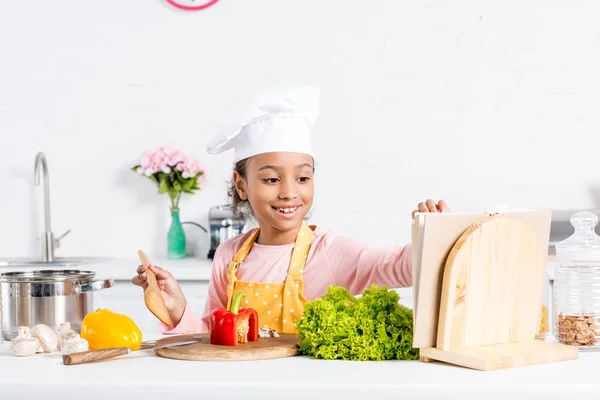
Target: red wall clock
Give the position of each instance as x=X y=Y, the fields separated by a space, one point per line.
x=192 y=5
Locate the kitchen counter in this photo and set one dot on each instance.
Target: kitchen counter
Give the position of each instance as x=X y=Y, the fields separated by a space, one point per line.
x=188 y=269
x=143 y=374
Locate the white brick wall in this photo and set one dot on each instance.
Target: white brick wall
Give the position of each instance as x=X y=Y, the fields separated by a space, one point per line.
x=477 y=102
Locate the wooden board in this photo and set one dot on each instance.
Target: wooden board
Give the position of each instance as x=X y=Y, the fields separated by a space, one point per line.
x=433 y=236
x=505 y=355
x=492 y=285
x=490 y=290
x=265 y=348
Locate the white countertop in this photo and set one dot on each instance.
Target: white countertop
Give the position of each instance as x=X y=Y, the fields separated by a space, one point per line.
x=124 y=268
x=144 y=374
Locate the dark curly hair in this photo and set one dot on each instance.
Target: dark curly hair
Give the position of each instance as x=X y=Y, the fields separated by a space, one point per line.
x=239 y=208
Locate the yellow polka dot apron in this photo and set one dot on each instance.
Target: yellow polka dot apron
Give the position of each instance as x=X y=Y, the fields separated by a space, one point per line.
x=279 y=305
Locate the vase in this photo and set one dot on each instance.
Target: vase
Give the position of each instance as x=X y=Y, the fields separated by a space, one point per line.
x=176 y=238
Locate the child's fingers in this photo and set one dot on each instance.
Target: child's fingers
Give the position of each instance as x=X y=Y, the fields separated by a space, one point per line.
x=431 y=206
x=161 y=274
x=139 y=280
x=443 y=206
x=140 y=269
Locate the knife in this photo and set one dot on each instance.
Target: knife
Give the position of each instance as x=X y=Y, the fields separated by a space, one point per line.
x=105 y=354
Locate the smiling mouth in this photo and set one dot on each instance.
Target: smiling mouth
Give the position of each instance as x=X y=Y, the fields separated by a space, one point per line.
x=287 y=210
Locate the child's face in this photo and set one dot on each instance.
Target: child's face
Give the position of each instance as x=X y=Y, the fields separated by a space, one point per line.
x=279 y=187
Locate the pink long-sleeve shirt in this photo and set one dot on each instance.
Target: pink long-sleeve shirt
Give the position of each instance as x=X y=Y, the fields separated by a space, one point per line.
x=332 y=260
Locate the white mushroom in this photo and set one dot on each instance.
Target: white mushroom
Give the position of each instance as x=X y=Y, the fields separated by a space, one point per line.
x=24 y=345
x=73 y=343
x=47 y=337
x=267 y=332
x=64 y=330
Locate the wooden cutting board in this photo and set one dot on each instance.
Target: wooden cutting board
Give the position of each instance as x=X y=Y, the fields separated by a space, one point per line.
x=491 y=299
x=492 y=285
x=434 y=236
x=264 y=349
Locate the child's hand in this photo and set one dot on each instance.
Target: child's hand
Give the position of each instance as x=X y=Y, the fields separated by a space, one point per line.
x=431 y=206
x=169 y=288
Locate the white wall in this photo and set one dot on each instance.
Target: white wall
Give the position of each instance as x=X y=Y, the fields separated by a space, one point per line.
x=478 y=102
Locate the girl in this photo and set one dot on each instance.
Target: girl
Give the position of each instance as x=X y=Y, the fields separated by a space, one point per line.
x=284 y=262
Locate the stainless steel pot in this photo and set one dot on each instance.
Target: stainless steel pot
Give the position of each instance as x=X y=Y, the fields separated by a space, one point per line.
x=48 y=297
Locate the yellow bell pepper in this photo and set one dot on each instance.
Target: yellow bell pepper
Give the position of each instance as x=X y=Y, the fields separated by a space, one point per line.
x=104 y=329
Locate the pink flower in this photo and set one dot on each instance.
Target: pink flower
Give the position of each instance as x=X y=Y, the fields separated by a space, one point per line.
x=189 y=167
x=154 y=161
x=166 y=159
x=172 y=155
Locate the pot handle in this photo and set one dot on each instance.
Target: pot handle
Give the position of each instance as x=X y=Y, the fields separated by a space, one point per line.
x=93 y=286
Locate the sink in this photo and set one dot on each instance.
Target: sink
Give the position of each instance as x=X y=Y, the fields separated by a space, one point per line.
x=57 y=262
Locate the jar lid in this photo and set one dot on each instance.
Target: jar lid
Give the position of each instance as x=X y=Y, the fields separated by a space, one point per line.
x=584 y=243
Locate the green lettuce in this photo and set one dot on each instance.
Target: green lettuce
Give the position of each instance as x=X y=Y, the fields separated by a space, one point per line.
x=373 y=327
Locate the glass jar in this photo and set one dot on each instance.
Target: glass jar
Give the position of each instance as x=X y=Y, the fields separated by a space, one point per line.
x=577 y=285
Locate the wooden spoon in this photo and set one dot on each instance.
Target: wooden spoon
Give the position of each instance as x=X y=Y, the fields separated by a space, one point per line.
x=152 y=295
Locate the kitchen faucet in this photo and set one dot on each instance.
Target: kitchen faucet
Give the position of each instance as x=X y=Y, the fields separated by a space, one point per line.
x=49 y=244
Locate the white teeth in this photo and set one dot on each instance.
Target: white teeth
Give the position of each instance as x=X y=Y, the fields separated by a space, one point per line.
x=287 y=210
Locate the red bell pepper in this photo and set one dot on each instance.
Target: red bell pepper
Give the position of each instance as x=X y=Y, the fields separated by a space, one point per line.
x=238 y=325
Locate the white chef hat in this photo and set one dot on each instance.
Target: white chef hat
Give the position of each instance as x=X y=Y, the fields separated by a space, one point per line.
x=279 y=119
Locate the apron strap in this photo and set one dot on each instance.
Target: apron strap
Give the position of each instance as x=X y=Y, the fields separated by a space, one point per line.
x=299 y=254
x=293 y=296
x=234 y=264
